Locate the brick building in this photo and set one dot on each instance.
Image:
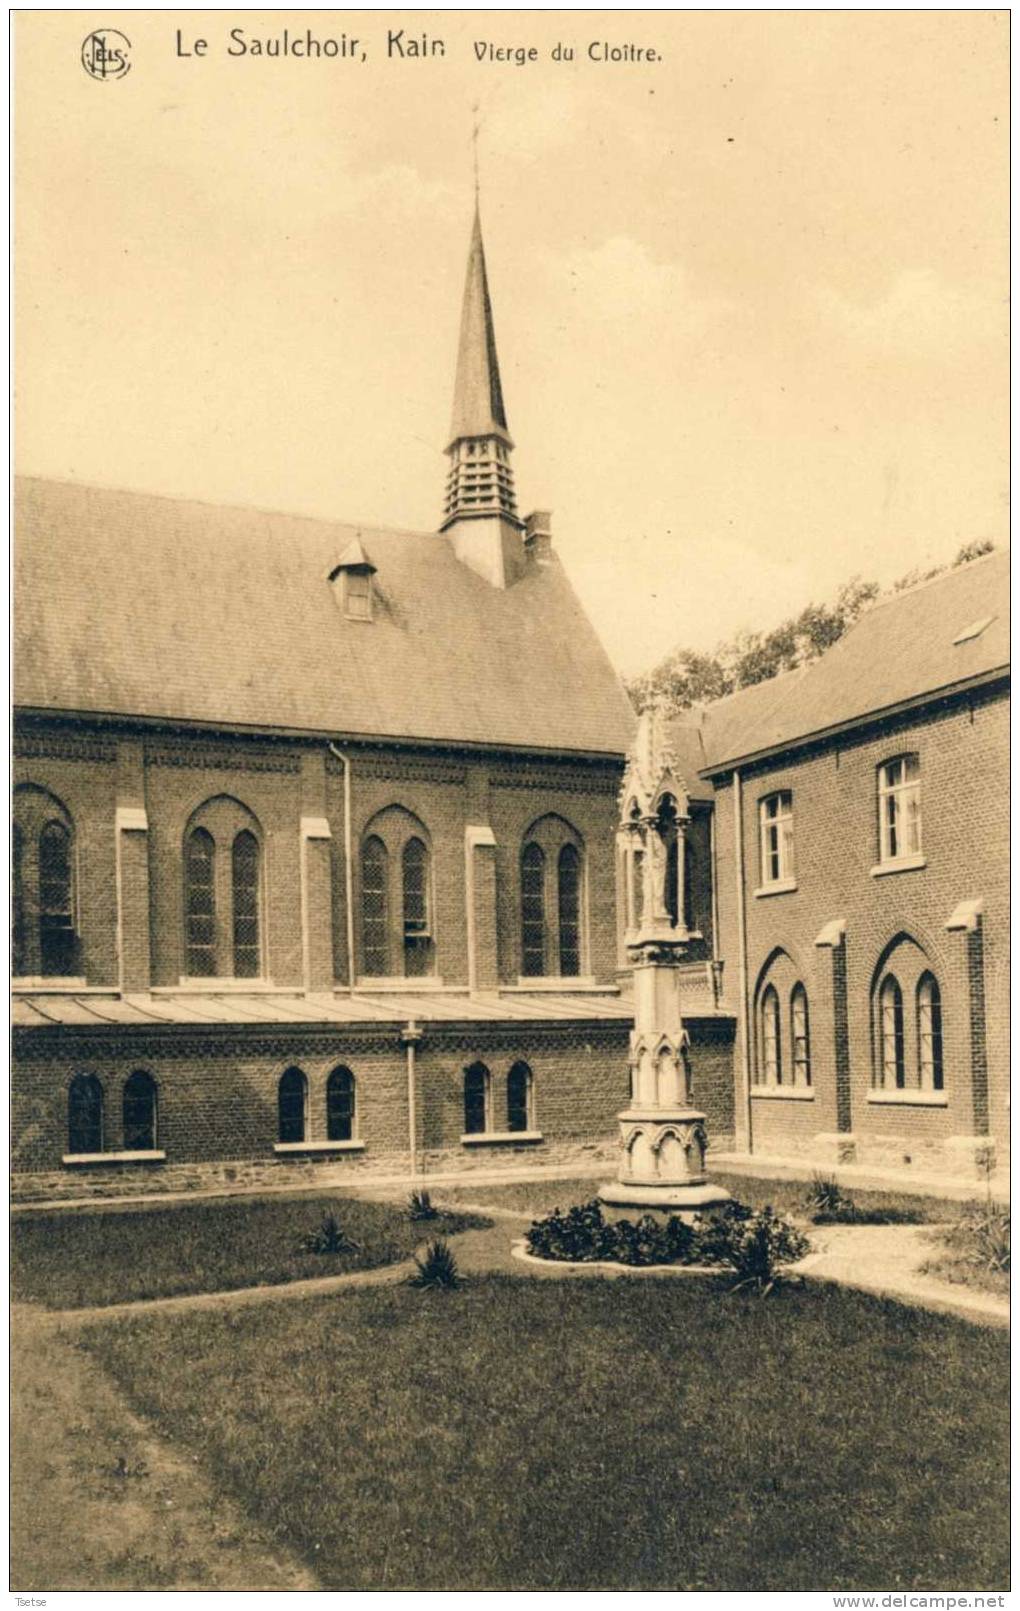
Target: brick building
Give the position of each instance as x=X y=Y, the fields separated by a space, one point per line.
x=313 y=834
x=860 y=856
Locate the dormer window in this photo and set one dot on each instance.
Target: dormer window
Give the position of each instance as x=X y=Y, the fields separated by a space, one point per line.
x=352 y=582
x=357 y=586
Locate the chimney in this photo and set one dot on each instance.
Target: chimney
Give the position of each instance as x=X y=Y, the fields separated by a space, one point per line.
x=538 y=536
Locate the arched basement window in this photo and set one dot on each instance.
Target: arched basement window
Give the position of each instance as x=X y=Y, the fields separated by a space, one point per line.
x=292 y=1101
x=929 y=1033
x=518 y=1097
x=890 y=1006
x=771 y=1046
x=56 y=918
x=374 y=915
x=200 y=904
x=800 y=1038
x=533 y=911
x=569 y=882
x=245 y=876
x=85 y=1115
x=139 y=1111
x=414 y=874
x=476 y=1100
x=340 y=1105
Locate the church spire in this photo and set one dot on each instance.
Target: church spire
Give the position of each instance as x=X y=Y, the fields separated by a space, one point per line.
x=480 y=487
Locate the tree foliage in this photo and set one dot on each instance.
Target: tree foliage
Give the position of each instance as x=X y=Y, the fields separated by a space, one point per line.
x=689 y=677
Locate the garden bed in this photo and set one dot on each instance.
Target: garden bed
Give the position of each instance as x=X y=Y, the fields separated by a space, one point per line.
x=72 y=1260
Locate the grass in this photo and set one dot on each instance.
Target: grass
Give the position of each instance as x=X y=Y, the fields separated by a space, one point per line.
x=976 y=1251
x=77 y=1260
x=523 y=1434
x=787 y=1197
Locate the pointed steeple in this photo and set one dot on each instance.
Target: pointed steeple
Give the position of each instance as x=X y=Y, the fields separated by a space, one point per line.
x=478 y=408
x=480 y=486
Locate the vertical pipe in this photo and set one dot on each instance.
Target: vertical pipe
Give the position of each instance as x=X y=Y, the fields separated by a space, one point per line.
x=745 y=1043
x=348 y=863
x=410 y=1035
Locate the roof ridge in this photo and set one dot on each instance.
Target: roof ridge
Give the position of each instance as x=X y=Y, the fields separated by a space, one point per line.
x=890 y=595
x=235 y=508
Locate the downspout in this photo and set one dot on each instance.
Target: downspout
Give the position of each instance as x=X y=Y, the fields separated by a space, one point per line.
x=745 y=1044
x=713 y=862
x=348 y=862
x=410 y=1035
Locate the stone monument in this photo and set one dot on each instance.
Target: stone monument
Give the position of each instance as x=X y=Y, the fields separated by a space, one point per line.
x=662 y=1135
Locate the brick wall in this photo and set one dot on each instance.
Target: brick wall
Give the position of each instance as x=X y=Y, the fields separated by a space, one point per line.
x=962 y=746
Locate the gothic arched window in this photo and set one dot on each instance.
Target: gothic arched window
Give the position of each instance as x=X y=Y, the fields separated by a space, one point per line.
x=292 y=1105
x=800 y=1036
x=519 y=1089
x=375 y=907
x=890 y=1009
x=139 y=1113
x=533 y=911
x=476 y=1100
x=414 y=877
x=771 y=1041
x=929 y=1033
x=200 y=905
x=569 y=891
x=245 y=878
x=84 y=1115
x=340 y=1105
x=44 y=940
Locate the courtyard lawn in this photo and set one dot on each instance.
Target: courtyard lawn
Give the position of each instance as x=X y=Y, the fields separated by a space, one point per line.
x=76 y=1259
x=532 y=1434
x=787 y=1197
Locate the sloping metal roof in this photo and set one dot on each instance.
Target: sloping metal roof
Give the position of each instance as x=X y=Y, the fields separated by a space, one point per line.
x=129 y=604
x=44 y=1009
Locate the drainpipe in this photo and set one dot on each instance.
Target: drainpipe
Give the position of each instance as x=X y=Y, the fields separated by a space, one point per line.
x=410 y=1035
x=745 y=1043
x=348 y=862
x=713 y=863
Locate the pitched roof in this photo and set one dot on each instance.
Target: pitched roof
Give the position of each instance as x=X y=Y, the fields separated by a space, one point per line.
x=478 y=408
x=908 y=646
x=136 y=605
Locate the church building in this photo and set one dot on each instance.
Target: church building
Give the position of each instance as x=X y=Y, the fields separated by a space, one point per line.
x=313 y=835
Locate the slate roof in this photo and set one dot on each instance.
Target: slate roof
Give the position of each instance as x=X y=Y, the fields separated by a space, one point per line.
x=100 y=1010
x=137 y=605
x=900 y=650
x=478 y=408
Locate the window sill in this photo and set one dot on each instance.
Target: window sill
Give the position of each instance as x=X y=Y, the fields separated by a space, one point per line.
x=80 y=1159
x=500 y=1138
x=784 y=1093
x=553 y=981
x=368 y=983
x=217 y=986
x=318 y=1146
x=782 y=886
x=907 y=1098
x=902 y=864
x=56 y=983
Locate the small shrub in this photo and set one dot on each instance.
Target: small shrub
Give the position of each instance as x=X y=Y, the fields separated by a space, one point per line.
x=582 y=1236
x=421 y=1206
x=438 y=1268
x=828 y=1204
x=758 y=1247
x=328 y=1237
x=981 y=1238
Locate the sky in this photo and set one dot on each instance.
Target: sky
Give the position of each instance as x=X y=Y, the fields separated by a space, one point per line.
x=750 y=297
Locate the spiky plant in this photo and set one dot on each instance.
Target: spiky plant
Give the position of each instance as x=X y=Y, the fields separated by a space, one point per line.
x=436 y=1268
x=329 y=1236
x=421 y=1206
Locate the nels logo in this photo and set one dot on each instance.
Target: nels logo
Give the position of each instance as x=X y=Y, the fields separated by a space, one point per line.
x=106 y=54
